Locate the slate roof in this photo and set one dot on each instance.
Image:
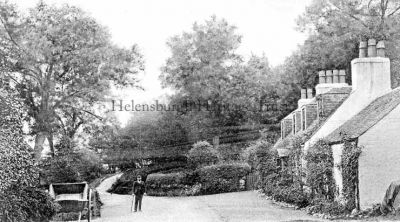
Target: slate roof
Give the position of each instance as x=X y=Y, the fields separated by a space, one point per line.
x=367 y=117
x=286 y=143
x=341 y=90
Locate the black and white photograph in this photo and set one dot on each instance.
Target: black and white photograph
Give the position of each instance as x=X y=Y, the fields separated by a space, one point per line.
x=199 y=111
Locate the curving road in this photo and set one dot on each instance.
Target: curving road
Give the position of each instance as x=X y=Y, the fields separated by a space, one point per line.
x=228 y=207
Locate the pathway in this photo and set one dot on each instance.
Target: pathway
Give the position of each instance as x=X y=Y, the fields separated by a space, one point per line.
x=228 y=207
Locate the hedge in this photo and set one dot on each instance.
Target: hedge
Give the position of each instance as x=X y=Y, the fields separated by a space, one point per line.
x=221 y=178
x=171 y=184
x=124 y=184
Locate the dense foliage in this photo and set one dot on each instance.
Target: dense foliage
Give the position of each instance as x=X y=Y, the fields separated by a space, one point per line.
x=217 y=86
x=20 y=200
x=70 y=164
x=320 y=170
x=349 y=167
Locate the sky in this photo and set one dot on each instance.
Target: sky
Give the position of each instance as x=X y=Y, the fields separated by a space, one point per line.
x=267 y=26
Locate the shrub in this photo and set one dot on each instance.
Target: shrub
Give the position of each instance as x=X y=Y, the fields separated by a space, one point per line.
x=291 y=193
x=221 y=178
x=60 y=169
x=27 y=204
x=265 y=162
x=327 y=207
x=202 y=154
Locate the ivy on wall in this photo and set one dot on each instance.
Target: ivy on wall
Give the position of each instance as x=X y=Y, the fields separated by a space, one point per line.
x=349 y=168
x=319 y=174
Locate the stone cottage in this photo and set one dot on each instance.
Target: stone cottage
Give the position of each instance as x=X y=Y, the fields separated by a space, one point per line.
x=368 y=112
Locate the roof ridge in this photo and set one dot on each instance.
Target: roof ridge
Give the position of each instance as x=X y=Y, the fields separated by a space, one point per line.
x=355 y=128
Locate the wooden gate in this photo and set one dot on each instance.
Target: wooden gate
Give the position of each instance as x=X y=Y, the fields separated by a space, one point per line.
x=251 y=181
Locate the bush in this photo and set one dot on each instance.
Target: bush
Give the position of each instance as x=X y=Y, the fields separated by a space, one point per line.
x=264 y=160
x=327 y=207
x=60 y=169
x=221 y=178
x=70 y=165
x=291 y=193
x=202 y=154
x=27 y=204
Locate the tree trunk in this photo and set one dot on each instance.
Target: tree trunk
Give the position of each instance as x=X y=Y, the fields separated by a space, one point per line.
x=51 y=143
x=39 y=141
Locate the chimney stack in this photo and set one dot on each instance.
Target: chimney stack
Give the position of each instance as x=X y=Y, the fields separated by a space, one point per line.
x=371 y=48
x=303 y=94
x=309 y=93
x=329 y=76
x=342 y=76
x=322 y=77
x=362 y=49
x=371 y=75
x=380 y=49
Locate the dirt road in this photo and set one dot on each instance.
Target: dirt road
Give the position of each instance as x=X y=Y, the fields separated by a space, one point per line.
x=228 y=207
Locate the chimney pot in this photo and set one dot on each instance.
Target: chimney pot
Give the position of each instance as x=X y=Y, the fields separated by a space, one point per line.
x=309 y=93
x=303 y=94
x=380 y=49
x=335 y=76
x=329 y=76
x=362 y=49
x=371 y=48
x=322 y=77
x=342 y=76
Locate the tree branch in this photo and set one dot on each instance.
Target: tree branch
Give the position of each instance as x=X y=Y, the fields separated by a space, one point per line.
x=394 y=11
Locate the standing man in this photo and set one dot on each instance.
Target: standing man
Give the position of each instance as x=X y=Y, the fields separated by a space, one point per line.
x=138 y=190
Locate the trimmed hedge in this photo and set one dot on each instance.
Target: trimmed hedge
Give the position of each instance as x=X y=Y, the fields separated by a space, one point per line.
x=212 y=179
x=172 y=184
x=221 y=178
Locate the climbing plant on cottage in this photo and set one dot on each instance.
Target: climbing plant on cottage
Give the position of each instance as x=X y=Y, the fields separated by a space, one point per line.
x=349 y=168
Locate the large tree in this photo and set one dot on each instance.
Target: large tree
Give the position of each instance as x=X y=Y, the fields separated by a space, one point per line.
x=206 y=71
x=336 y=27
x=62 y=62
